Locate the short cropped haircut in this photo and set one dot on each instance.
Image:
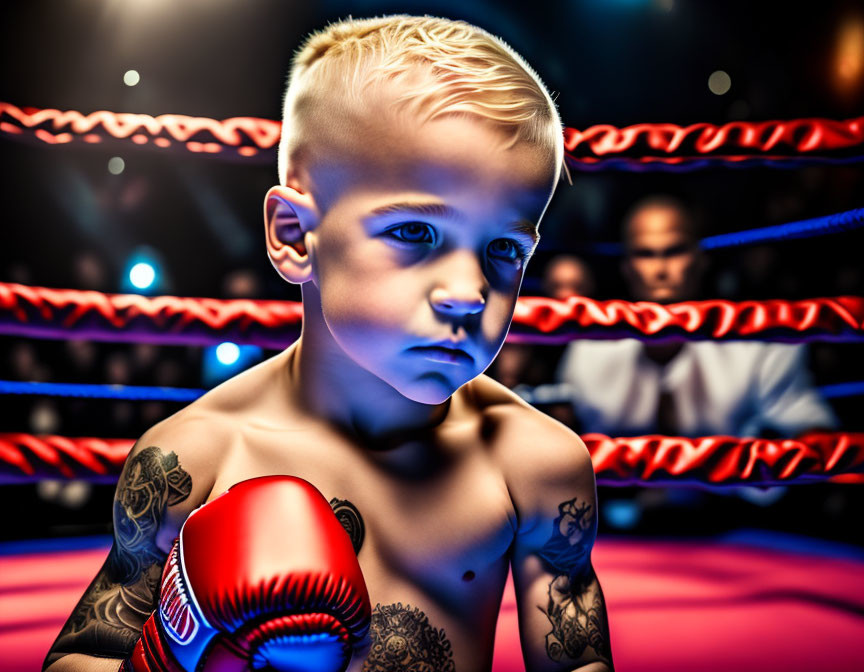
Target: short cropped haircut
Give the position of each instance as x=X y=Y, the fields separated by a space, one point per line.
x=470 y=72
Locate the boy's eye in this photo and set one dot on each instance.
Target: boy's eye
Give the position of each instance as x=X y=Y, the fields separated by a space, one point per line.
x=413 y=232
x=507 y=249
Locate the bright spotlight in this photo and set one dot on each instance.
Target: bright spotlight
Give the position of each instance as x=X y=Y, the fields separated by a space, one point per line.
x=227 y=353
x=142 y=275
x=131 y=78
x=622 y=514
x=220 y=362
x=116 y=165
x=719 y=82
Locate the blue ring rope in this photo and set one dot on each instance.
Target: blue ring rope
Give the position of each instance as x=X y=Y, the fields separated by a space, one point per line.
x=840 y=222
x=87 y=391
x=186 y=394
x=807 y=228
x=851 y=389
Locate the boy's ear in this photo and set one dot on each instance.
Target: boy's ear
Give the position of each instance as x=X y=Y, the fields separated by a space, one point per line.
x=288 y=215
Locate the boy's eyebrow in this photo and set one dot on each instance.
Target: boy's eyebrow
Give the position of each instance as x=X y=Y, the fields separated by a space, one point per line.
x=522 y=226
x=430 y=209
x=527 y=228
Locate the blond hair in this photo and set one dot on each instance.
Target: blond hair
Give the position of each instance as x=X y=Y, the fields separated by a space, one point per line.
x=471 y=72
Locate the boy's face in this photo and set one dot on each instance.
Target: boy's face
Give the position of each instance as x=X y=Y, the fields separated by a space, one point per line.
x=423 y=244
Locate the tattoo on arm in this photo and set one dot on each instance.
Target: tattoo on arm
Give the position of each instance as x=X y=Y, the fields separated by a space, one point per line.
x=403 y=639
x=576 y=608
x=107 y=621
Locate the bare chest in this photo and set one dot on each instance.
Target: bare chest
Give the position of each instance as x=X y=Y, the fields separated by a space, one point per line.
x=439 y=521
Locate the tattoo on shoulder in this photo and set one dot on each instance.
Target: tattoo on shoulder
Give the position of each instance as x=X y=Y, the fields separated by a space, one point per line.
x=149 y=484
x=576 y=608
x=107 y=621
x=403 y=639
x=347 y=514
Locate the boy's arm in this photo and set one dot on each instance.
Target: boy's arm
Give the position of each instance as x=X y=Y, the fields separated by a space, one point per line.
x=562 y=612
x=107 y=621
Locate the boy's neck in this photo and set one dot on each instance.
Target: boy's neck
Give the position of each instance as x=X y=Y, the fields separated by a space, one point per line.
x=327 y=383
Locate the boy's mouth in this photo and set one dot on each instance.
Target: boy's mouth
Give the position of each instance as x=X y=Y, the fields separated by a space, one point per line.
x=444 y=353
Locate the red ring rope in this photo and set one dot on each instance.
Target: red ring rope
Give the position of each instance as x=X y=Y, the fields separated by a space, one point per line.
x=642 y=460
x=797 y=136
x=736 y=141
x=67 y=313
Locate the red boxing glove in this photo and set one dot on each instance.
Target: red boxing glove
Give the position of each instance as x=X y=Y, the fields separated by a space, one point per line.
x=262 y=577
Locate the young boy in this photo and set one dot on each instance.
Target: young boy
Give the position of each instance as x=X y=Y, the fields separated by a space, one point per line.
x=417 y=158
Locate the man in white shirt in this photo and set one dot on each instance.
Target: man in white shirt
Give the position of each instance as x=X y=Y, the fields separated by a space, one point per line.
x=629 y=388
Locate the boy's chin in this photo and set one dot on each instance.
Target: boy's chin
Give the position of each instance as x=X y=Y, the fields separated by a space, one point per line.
x=431 y=389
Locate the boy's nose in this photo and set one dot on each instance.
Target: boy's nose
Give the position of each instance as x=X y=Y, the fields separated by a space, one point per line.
x=462 y=287
x=455 y=302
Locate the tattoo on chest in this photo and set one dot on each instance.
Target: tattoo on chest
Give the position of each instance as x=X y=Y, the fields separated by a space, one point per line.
x=347 y=514
x=404 y=641
x=576 y=608
x=108 y=619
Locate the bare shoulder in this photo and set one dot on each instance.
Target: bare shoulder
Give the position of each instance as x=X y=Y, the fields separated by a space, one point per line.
x=202 y=432
x=197 y=440
x=531 y=448
x=181 y=456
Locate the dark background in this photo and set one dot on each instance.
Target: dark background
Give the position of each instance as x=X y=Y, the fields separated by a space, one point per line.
x=607 y=61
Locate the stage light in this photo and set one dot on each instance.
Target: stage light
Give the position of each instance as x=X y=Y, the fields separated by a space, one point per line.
x=227 y=353
x=143 y=271
x=142 y=275
x=227 y=359
x=719 y=82
x=116 y=165
x=131 y=78
x=622 y=514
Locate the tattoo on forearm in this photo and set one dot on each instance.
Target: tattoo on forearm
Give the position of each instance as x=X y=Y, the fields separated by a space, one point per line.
x=576 y=608
x=403 y=639
x=107 y=621
x=347 y=514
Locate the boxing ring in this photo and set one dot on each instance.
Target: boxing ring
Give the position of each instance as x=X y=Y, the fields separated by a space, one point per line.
x=748 y=600
x=703 y=605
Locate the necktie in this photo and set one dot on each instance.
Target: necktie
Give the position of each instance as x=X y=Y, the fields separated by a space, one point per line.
x=666 y=422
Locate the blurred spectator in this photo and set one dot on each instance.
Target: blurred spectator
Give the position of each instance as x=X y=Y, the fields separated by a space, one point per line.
x=511 y=364
x=521 y=364
x=81 y=361
x=69 y=494
x=567 y=276
x=90 y=272
x=144 y=358
x=242 y=283
x=118 y=369
x=563 y=277
x=25 y=365
x=44 y=418
x=20 y=273
x=627 y=387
